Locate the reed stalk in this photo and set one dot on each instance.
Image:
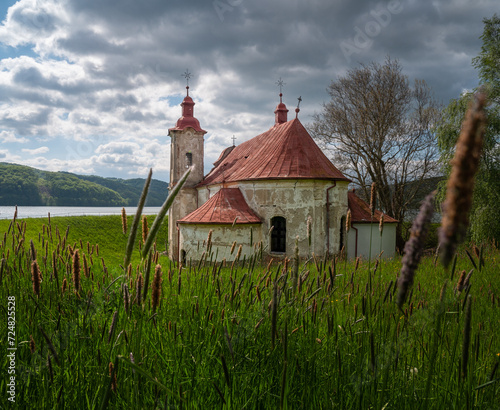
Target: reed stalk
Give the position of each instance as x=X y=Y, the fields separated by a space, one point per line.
x=135 y=224
x=163 y=211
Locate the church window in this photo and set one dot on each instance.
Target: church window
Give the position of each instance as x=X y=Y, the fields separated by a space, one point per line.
x=189 y=159
x=278 y=234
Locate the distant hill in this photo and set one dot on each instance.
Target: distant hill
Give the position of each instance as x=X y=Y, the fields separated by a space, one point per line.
x=26 y=186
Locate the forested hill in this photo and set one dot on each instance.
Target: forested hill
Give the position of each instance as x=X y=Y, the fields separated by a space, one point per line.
x=25 y=186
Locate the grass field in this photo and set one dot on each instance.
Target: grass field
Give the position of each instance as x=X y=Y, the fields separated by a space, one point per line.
x=243 y=335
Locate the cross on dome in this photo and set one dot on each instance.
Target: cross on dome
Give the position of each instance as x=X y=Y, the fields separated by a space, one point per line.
x=280 y=83
x=187 y=76
x=297 y=110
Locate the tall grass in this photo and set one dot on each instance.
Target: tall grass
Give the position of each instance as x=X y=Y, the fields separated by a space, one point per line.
x=238 y=336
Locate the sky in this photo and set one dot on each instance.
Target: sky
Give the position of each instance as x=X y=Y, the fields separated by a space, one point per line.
x=92 y=86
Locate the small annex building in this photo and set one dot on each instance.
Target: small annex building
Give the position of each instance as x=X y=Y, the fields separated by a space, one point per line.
x=365 y=228
x=263 y=194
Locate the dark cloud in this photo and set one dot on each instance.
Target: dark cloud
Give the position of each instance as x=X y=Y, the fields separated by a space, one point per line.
x=114 y=65
x=26 y=123
x=89 y=42
x=39 y=21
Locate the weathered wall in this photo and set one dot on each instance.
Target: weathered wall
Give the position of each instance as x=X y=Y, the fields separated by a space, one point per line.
x=193 y=236
x=295 y=200
x=386 y=243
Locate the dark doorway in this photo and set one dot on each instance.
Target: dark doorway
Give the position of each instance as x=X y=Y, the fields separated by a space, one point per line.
x=278 y=235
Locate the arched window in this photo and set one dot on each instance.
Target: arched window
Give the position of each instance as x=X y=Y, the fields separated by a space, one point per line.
x=342 y=233
x=278 y=235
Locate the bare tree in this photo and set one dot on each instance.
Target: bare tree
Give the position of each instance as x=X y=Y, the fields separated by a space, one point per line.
x=379 y=129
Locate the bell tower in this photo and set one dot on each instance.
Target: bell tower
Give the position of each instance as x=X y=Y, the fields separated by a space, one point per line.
x=186 y=149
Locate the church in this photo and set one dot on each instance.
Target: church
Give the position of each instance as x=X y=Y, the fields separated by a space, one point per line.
x=266 y=194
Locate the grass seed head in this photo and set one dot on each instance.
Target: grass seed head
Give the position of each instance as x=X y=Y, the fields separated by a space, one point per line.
x=156 y=288
x=35 y=277
x=467 y=278
x=145 y=229
x=357 y=263
x=112 y=374
x=460 y=283
x=373 y=198
x=138 y=289
x=348 y=220
x=209 y=239
x=76 y=270
x=124 y=221
x=476 y=250
x=126 y=298
x=414 y=247
x=460 y=187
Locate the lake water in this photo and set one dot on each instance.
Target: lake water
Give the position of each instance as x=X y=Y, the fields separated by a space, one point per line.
x=7 y=212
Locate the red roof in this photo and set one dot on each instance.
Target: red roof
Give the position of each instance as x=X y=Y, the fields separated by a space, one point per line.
x=360 y=211
x=284 y=151
x=226 y=206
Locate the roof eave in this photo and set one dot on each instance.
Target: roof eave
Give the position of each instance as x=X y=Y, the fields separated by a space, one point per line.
x=217 y=182
x=218 y=223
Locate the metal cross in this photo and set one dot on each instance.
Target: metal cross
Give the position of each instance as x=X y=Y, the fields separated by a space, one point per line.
x=187 y=76
x=300 y=99
x=280 y=83
x=234 y=139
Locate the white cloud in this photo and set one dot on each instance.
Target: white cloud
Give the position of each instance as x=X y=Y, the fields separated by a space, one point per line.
x=36 y=151
x=11 y=137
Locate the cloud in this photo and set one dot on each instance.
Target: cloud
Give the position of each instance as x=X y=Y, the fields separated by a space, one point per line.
x=98 y=72
x=36 y=151
x=10 y=137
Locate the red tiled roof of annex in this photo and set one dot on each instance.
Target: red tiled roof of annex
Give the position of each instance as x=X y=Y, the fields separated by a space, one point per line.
x=286 y=151
x=227 y=206
x=360 y=211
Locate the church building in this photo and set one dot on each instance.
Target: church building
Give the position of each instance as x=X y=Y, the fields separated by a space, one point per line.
x=264 y=193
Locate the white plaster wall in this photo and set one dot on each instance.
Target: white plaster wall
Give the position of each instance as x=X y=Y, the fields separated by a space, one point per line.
x=192 y=237
x=386 y=242
x=184 y=204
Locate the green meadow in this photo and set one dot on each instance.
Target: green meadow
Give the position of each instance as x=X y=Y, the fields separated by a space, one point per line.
x=239 y=334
